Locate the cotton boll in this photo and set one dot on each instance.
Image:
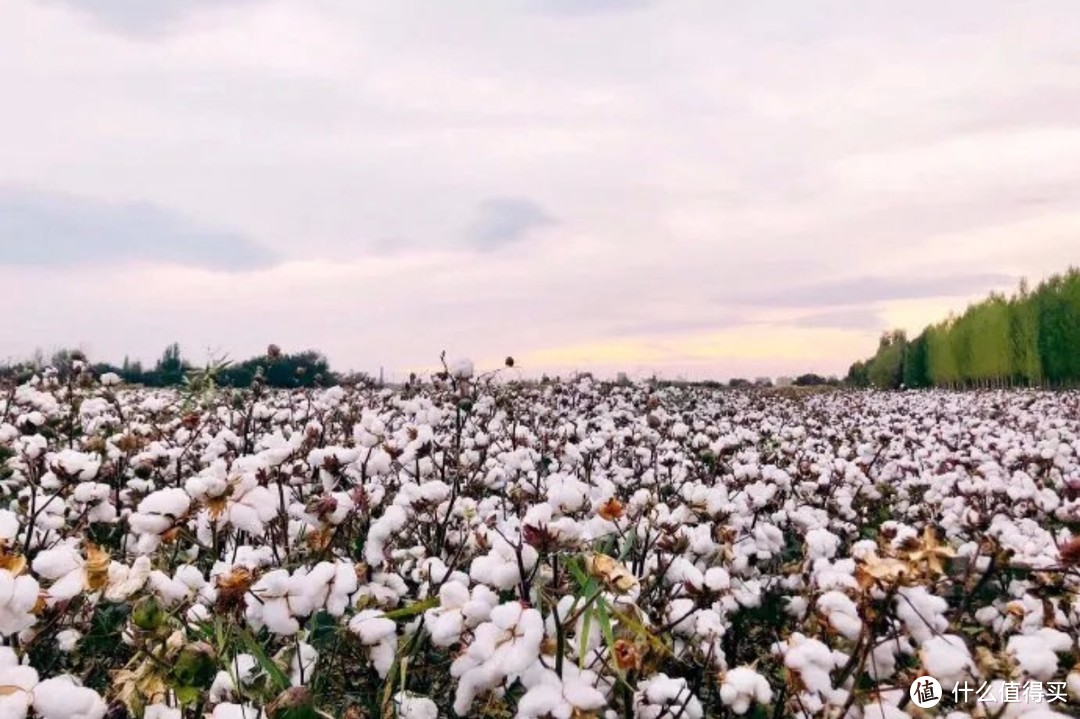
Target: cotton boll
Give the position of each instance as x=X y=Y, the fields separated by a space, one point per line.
x=62 y=698
x=1072 y=684
x=1037 y=653
x=821 y=544
x=162 y=711
x=922 y=613
x=662 y=696
x=742 y=687
x=68 y=639
x=76 y=465
x=18 y=596
x=302 y=664
x=236 y=711
x=19 y=682
x=382 y=529
x=461 y=368
x=946 y=658
x=813 y=661
x=502 y=647
x=841 y=613
x=413 y=706
x=372 y=626
x=548 y=695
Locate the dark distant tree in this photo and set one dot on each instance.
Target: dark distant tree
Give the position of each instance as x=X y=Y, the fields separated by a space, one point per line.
x=858 y=375
x=809 y=380
x=739 y=383
x=170 y=369
x=916 y=372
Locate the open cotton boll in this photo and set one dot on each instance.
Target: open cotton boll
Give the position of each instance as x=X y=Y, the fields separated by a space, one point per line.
x=379 y=634
x=742 y=687
x=382 y=529
x=821 y=544
x=881 y=710
x=159 y=510
x=68 y=639
x=18 y=596
x=812 y=661
x=413 y=706
x=461 y=368
x=548 y=695
x=162 y=711
x=502 y=647
x=236 y=711
x=125 y=581
x=62 y=698
x=922 y=613
x=74 y=464
x=280 y=600
x=302 y=664
x=19 y=682
x=662 y=696
x=841 y=613
x=946 y=658
x=1037 y=654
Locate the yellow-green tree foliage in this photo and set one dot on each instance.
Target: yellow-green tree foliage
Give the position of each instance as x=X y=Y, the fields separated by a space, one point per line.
x=1032 y=337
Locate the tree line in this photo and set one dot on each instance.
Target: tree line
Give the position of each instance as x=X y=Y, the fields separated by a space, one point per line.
x=1031 y=338
x=308 y=368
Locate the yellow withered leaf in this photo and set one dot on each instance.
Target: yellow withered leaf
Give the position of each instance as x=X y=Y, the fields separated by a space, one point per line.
x=97 y=567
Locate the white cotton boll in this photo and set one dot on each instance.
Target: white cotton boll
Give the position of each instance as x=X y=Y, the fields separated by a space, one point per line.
x=18 y=595
x=88 y=492
x=58 y=562
x=162 y=711
x=236 y=711
x=125 y=581
x=922 y=613
x=1072 y=684
x=821 y=544
x=68 y=639
x=413 y=706
x=1037 y=653
x=881 y=710
x=19 y=682
x=661 y=696
x=461 y=368
x=77 y=465
x=742 y=687
x=303 y=664
x=946 y=658
x=62 y=698
x=813 y=661
x=717 y=579
x=372 y=626
x=170 y=591
x=841 y=613
x=9 y=525
x=110 y=379
x=382 y=529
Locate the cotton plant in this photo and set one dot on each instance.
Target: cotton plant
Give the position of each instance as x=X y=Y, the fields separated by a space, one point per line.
x=478 y=543
x=503 y=647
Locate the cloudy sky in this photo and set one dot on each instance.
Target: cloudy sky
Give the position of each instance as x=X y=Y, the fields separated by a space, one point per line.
x=689 y=186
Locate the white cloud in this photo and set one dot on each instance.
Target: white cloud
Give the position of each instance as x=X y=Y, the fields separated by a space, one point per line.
x=696 y=155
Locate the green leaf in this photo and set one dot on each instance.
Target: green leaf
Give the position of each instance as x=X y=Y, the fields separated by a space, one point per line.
x=413 y=609
x=586 y=625
x=188 y=695
x=604 y=617
x=277 y=676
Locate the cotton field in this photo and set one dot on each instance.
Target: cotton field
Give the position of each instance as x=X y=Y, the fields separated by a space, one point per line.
x=481 y=546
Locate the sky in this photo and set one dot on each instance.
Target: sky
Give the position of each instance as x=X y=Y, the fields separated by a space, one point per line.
x=687 y=187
